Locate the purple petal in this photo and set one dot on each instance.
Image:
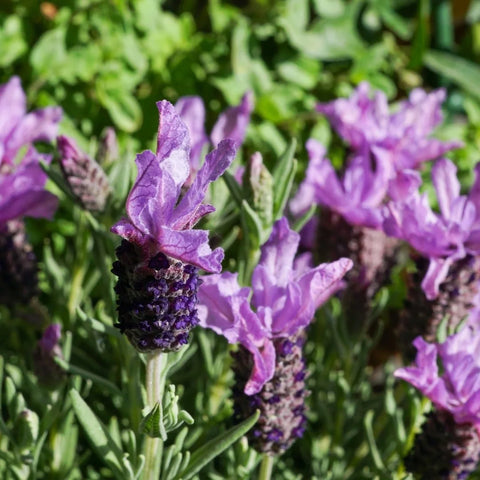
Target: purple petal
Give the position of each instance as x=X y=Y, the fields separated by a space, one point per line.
x=305 y=196
x=191 y=246
x=405 y=184
x=436 y=274
x=224 y=307
x=50 y=337
x=447 y=186
x=276 y=262
x=173 y=143
x=22 y=193
x=192 y=112
x=153 y=196
x=13 y=106
x=233 y=122
x=263 y=367
x=189 y=210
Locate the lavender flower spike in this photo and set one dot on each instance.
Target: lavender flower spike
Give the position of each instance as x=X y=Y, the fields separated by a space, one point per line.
x=451 y=433
x=84 y=176
x=270 y=370
x=159 y=258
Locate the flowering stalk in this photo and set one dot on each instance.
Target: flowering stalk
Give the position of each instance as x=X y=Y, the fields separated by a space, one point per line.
x=156 y=373
x=269 y=366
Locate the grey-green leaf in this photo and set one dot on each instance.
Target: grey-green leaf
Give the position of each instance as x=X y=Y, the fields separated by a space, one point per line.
x=210 y=450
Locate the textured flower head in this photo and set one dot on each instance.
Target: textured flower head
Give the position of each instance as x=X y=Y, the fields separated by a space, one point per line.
x=400 y=139
x=444 y=237
x=84 y=176
x=284 y=297
x=231 y=124
x=160 y=221
x=22 y=181
x=457 y=388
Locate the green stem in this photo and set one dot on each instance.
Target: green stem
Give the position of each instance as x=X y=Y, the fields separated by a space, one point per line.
x=266 y=467
x=155 y=384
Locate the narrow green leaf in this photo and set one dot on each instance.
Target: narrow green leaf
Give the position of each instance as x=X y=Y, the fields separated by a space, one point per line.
x=97 y=325
x=56 y=177
x=464 y=73
x=98 y=435
x=111 y=387
x=210 y=450
x=283 y=176
x=252 y=225
x=377 y=459
x=233 y=187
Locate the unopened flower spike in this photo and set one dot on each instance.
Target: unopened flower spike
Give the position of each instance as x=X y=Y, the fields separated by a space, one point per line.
x=161 y=253
x=84 y=176
x=269 y=321
x=22 y=189
x=448 y=447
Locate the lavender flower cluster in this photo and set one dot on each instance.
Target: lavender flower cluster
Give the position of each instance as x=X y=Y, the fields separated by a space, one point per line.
x=365 y=213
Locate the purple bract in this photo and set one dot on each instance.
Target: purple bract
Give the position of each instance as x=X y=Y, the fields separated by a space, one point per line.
x=284 y=294
x=457 y=388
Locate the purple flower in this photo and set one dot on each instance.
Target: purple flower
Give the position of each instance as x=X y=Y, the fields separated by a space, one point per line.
x=161 y=253
x=358 y=196
x=22 y=181
x=19 y=128
x=457 y=388
x=284 y=295
x=231 y=124
x=399 y=139
x=157 y=219
x=446 y=237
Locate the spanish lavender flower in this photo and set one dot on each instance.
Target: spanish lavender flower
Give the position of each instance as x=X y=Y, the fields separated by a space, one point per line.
x=448 y=448
x=351 y=217
x=84 y=176
x=449 y=246
x=159 y=258
x=231 y=124
x=399 y=139
x=48 y=372
x=269 y=366
x=22 y=189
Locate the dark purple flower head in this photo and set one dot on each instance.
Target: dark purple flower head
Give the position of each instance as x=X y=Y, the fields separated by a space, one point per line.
x=231 y=124
x=284 y=296
x=400 y=139
x=457 y=388
x=22 y=181
x=445 y=237
x=158 y=220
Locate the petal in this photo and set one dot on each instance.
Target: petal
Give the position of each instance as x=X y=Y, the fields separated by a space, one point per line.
x=223 y=306
x=447 y=186
x=13 y=106
x=263 y=367
x=22 y=193
x=233 y=122
x=154 y=194
x=191 y=246
x=189 y=210
x=404 y=184
x=173 y=143
x=436 y=274
x=192 y=112
x=276 y=262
